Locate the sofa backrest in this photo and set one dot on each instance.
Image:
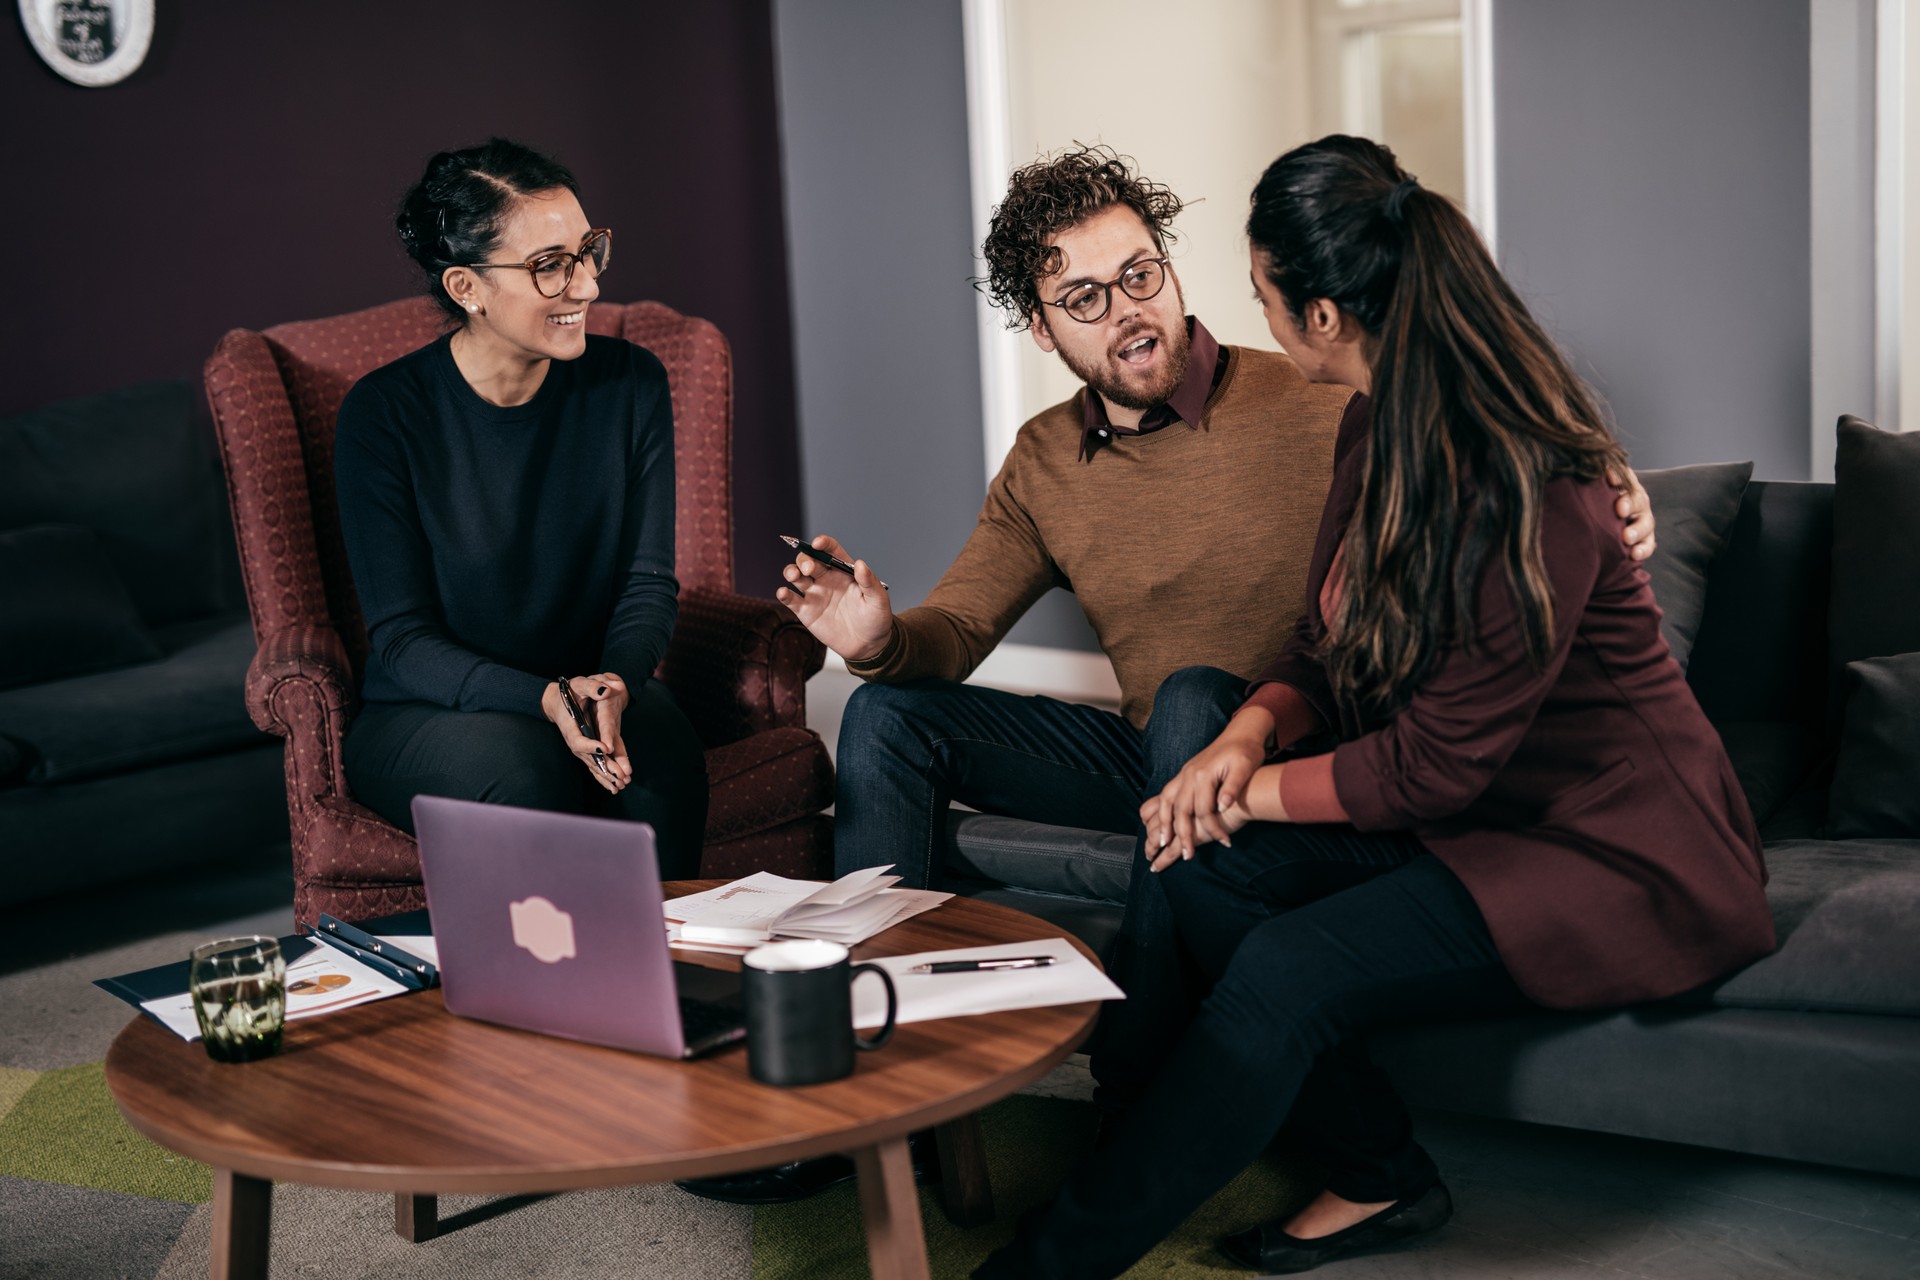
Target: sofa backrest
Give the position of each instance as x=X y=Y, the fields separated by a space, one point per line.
x=136 y=466
x=1762 y=649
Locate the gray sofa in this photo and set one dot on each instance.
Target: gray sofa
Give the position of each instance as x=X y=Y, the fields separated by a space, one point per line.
x=1811 y=1054
x=125 y=746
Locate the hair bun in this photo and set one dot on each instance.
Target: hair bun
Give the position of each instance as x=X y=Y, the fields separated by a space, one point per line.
x=1395 y=206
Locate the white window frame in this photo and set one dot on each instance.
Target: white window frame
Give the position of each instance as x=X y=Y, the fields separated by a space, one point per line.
x=989 y=157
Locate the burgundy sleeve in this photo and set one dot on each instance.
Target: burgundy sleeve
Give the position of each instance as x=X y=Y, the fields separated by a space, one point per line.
x=1440 y=752
x=1307 y=792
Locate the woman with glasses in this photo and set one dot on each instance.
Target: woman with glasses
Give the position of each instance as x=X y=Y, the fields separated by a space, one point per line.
x=1475 y=783
x=506 y=497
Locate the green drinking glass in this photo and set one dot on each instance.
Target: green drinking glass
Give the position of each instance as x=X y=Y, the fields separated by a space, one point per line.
x=239 y=988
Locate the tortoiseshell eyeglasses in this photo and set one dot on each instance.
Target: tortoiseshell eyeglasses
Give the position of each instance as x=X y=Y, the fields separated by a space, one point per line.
x=553 y=272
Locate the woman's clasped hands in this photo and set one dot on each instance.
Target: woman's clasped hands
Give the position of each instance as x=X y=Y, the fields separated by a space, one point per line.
x=601 y=699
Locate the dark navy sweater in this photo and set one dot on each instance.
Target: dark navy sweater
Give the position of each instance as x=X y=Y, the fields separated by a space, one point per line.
x=494 y=549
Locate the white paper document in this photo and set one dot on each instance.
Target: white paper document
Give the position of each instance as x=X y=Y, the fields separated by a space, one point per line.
x=421 y=945
x=1070 y=979
x=320 y=981
x=764 y=906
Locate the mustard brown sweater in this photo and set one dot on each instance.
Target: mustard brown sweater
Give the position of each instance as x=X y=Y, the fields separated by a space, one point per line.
x=1184 y=547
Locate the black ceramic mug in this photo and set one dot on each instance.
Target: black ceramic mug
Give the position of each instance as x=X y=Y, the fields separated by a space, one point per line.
x=799 y=1003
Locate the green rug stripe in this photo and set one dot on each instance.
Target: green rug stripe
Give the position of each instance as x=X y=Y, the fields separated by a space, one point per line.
x=1032 y=1143
x=64 y=1128
x=14 y=1084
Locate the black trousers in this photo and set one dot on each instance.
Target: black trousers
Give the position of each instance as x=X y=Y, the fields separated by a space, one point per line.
x=1303 y=938
x=396 y=751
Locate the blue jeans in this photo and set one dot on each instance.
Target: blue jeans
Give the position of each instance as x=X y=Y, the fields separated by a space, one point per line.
x=907 y=750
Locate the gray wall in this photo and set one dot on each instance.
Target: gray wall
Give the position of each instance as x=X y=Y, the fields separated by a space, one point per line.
x=1841 y=110
x=1653 y=168
x=1652 y=161
x=873 y=103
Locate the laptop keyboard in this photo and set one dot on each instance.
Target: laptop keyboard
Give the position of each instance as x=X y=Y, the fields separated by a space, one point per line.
x=701 y=1020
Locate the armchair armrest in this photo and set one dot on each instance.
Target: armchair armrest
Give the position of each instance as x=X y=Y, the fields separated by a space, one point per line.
x=739 y=666
x=299 y=687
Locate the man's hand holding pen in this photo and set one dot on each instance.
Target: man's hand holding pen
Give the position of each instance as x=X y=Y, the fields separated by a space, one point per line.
x=849 y=613
x=587 y=710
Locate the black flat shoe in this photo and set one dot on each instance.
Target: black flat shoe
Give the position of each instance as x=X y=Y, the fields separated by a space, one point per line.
x=1270 y=1249
x=799 y=1179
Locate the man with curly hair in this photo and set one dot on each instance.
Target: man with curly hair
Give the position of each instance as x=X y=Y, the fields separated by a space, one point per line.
x=1177 y=496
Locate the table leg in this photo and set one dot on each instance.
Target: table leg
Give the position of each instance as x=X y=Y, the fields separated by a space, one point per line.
x=242 y=1223
x=896 y=1242
x=416 y=1219
x=966 y=1193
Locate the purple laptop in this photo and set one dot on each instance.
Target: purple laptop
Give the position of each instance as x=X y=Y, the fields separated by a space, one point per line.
x=551 y=922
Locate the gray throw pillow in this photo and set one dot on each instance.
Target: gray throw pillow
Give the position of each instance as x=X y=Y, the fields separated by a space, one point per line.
x=1876 y=776
x=1874 y=611
x=1694 y=509
x=66 y=612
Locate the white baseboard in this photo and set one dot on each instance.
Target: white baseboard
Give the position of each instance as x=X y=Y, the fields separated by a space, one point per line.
x=1068 y=674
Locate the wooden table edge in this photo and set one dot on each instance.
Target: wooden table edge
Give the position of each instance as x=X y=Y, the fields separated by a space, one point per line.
x=529 y=1180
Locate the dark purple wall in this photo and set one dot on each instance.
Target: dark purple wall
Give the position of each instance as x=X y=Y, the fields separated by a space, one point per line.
x=247 y=175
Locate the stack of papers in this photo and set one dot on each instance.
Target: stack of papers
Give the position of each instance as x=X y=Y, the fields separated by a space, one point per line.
x=764 y=906
x=1070 y=979
x=320 y=981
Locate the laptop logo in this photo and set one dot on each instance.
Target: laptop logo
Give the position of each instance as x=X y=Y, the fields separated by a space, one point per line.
x=543 y=929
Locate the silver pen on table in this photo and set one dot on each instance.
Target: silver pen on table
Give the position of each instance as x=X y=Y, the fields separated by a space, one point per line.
x=983 y=966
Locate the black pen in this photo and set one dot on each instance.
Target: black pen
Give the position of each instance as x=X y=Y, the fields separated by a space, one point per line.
x=826 y=558
x=982 y=966
x=584 y=725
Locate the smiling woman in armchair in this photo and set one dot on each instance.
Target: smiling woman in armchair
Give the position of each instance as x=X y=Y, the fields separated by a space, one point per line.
x=507 y=502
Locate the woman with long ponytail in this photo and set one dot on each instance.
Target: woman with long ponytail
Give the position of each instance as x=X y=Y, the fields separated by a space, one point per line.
x=1475 y=783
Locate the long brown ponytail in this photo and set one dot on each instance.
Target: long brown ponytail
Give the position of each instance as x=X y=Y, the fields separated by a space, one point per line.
x=1473 y=410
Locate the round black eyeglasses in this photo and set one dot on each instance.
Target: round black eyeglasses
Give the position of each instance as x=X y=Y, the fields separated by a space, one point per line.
x=1088 y=302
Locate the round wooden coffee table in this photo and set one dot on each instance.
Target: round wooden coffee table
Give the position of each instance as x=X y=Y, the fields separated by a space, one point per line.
x=421 y=1103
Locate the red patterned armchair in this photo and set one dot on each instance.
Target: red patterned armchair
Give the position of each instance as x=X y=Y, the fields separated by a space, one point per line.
x=737 y=666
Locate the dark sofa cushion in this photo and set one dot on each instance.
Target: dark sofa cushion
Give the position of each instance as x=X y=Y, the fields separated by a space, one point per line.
x=1844 y=912
x=191 y=702
x=1037 y=857
x=1771 y=760
x=1876 y=776
x=1762 y=649
x=135 y=467
x=66 y=610
x=1695 y=508
x=1874 y=611
x=14 y=759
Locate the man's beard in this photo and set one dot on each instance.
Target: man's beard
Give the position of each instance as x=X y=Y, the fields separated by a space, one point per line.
x=1105 y=378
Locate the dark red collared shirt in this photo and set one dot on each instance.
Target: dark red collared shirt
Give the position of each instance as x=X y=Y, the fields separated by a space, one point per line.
x=1206 y=363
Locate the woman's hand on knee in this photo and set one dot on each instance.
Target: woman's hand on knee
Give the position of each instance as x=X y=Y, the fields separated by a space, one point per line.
x=1205 y=801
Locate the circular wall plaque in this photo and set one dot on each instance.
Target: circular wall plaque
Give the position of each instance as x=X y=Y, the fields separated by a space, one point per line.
x=90 y=42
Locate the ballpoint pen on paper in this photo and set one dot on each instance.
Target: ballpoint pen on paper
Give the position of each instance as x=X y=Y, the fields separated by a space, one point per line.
x=983 y=966
x=584 y=725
